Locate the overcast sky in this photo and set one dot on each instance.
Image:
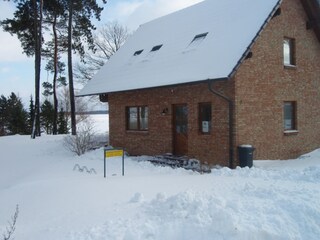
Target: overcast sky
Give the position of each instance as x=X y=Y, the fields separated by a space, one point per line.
x=17 y=71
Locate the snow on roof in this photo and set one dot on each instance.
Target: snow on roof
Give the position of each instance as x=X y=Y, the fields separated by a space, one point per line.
x=204 y=41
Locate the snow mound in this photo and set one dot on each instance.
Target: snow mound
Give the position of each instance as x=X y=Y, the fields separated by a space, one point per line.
x=307 y=174
x=137 y=198
x=272 y=200
x=261 y=214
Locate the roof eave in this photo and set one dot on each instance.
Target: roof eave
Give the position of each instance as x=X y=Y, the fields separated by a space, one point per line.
x=157 y=87
x=312 y=8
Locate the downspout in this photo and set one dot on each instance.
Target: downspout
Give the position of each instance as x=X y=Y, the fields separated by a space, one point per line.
x=231 y=121
x=275 y=12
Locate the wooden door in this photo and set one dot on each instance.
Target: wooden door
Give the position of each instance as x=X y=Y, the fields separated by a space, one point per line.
x=180 y=129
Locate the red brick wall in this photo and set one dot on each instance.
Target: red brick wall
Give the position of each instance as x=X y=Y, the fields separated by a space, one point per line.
x=211 y=148
x=262 y=84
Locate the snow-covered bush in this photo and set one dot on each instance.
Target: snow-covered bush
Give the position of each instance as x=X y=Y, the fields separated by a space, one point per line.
x=83 y=141
x=86 y=138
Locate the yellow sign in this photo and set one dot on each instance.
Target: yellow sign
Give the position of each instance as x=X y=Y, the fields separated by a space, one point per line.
x=114 y=153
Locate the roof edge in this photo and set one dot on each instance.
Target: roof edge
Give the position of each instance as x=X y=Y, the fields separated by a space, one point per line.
x=244 y=55
x=156 y=87
x=312 y=8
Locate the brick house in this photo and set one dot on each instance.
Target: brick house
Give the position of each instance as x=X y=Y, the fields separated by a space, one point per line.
x=208 y=78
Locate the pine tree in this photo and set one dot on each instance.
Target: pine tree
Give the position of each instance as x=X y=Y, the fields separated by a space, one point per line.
x=27 y=25
x=56 y=17
x=46 y=115
x=80 y=27
x=17 y=116
x=51 y=89
x=3 y=115
x=30 y=115
x=62 y=123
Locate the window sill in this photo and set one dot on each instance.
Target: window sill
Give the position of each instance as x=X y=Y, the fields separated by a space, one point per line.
x=293 y=67
x=137 y=131
x=290 y=132
x=204 y=134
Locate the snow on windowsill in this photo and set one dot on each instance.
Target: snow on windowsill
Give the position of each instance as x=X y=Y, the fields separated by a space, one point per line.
x=290 y=132
x=289 y=66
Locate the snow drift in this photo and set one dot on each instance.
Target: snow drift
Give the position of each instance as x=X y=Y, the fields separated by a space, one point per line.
x=272 y=200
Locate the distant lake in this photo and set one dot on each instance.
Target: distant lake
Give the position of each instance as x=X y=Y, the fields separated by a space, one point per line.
x=100 y=121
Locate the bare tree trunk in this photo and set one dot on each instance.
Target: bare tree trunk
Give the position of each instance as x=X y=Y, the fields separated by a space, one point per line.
x=35 y=11
x=70 y=73
x=39 y=65
x=38 y=40
x=55 y=100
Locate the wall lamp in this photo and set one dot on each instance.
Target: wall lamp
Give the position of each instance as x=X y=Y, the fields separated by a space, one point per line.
x=164 y=111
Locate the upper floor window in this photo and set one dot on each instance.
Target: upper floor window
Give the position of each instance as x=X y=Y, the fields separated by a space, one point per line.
x=290 y=116
x=137 y=118
x=205 y=118
x=289 y=52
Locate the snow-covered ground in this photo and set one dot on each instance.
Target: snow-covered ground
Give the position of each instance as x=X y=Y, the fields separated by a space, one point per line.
x=273 y=200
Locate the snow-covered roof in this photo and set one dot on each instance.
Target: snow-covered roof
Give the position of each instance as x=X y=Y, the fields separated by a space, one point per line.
x=204 y=41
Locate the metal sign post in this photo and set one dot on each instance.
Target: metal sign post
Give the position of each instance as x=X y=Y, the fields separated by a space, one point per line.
x=112 y=152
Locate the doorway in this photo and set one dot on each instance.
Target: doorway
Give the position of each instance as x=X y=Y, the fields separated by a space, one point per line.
x=180 y=129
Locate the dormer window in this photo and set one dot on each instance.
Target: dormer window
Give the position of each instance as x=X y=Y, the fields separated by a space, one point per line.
x=137 y=53
x=156 y=48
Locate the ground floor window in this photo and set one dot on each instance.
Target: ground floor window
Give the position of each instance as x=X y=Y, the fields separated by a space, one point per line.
x=290 y=115
x=137 y=118
x=205 y=118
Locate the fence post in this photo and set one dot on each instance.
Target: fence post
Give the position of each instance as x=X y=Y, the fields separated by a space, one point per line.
x=122 y=162
x=105 y=165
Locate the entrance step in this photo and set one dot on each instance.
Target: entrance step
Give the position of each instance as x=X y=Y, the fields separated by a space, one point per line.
x=180 y=162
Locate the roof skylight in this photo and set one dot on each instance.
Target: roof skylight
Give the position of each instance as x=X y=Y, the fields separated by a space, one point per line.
x=156 y=48
x=138 y=52
x=152 y=53
x=198 y=39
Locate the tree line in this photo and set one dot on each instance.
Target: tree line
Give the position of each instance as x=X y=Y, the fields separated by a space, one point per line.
x=69 y=24
x=107 y=41
x=15 y=119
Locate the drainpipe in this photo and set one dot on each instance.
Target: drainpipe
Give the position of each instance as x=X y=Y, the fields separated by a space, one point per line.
x=231 y=107
x=275 y=12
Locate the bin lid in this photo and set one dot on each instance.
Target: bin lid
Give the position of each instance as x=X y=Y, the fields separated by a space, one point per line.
x=245 y=146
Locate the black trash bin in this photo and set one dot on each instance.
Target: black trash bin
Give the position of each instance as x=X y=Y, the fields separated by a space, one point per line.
x=245 y=153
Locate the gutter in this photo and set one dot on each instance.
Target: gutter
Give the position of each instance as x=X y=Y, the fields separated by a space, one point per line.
x=312 y=8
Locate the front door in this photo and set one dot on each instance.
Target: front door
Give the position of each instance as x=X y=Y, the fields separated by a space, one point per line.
x=180 y=129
